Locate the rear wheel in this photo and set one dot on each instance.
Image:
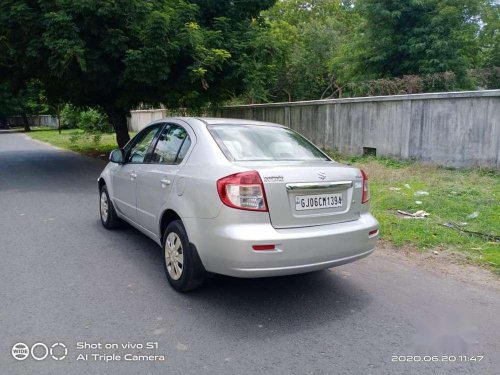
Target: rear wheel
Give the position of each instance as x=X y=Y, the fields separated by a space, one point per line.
x=183 y=266
x=109 y=218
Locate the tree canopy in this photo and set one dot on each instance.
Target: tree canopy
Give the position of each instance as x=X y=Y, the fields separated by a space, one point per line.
x=324 y=48
x=118 y=54
x=415 y=37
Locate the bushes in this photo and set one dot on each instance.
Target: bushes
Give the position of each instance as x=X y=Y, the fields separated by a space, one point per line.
x=90 y=120
x=475 y=79
x=69 y=117
x=93 y=121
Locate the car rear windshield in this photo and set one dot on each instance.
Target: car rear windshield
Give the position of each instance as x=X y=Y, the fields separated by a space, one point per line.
x=261 y=143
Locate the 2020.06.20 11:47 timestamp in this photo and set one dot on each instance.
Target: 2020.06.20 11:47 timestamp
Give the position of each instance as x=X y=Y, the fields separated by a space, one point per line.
x=437 y=358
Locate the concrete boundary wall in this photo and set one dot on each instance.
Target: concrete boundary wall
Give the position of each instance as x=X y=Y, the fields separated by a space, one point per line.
x=140 y=118
x=39 y=120
x=457 y=129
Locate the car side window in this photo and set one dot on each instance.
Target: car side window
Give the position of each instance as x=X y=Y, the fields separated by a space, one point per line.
x=183 y=151
x=140 y=148
x=172 y=145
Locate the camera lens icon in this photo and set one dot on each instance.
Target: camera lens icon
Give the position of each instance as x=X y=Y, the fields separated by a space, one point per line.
x=20 y=351
x=58 y=351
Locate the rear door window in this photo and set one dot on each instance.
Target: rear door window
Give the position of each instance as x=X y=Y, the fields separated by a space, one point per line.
x=172 y=145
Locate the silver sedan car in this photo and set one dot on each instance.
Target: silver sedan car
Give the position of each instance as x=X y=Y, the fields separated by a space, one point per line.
x=237 y=197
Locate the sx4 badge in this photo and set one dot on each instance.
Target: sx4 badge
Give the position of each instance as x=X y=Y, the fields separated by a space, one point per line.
x=39 y=351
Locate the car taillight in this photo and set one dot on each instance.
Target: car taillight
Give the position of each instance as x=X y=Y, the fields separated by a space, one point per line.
x=244 y=191
x=366 y=193
x=264 y=247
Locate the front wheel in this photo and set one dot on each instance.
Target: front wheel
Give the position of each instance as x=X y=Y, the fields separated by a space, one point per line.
x=183 y=266
x=109 y=218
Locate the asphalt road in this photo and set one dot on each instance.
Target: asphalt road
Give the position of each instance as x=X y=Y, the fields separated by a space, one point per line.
x=64 y=278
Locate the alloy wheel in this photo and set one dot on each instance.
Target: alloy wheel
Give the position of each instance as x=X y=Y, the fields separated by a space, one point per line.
x=174 y=256
x=104 y=206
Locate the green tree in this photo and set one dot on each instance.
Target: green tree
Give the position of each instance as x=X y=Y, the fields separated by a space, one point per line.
x=8 y=106
x=404 y=37
x=489 y=37
x=291 y=57
x=118 y=54
x=259 y=71
x=27 y=100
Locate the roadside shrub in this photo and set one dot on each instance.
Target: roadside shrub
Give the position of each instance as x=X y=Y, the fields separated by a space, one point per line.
x=486 y=79
x=96 y=138
x=475 y=79
x=69 y=117
x=75 y=137
x=93 y=121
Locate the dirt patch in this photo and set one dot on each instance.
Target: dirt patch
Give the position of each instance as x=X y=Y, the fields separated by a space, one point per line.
x=443 y=262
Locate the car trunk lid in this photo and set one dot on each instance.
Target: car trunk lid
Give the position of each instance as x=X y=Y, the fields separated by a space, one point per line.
x=301 y=194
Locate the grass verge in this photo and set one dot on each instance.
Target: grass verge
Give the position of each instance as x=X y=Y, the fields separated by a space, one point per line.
x=77 y=140
x=470 y=199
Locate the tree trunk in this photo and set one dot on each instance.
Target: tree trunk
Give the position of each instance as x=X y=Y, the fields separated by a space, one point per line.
x=58 y=117
x=118 y=119
x=26 y=123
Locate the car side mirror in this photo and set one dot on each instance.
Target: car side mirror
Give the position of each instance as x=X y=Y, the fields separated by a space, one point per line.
x=117 y=156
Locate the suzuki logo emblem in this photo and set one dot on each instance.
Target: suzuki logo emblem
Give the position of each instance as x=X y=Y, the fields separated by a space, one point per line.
x=321 y=175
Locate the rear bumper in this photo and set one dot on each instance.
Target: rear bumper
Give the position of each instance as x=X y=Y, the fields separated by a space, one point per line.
x=290 y=270
x=227 y=249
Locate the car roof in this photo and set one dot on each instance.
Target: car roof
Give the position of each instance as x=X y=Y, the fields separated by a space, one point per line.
x=233 y=121
x=195 y=121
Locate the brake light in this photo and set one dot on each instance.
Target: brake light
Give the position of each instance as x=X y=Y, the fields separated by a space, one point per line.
x=244 y=191
x=366 y=193
x=264 y=247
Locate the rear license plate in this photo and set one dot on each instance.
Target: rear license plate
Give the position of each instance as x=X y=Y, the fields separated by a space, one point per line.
x=318 y=201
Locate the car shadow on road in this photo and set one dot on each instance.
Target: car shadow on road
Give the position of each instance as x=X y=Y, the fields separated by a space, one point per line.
x=252 y=307
x=279 y=305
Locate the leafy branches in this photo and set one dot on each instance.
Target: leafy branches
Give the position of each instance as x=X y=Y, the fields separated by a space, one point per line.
x=116 y=55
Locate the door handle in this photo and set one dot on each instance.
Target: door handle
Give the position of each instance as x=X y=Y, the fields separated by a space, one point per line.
x=165 y=182
x=133 y=175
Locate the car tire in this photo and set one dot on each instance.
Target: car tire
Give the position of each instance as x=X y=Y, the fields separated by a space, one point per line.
x=109 y=218
x=183 y=267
